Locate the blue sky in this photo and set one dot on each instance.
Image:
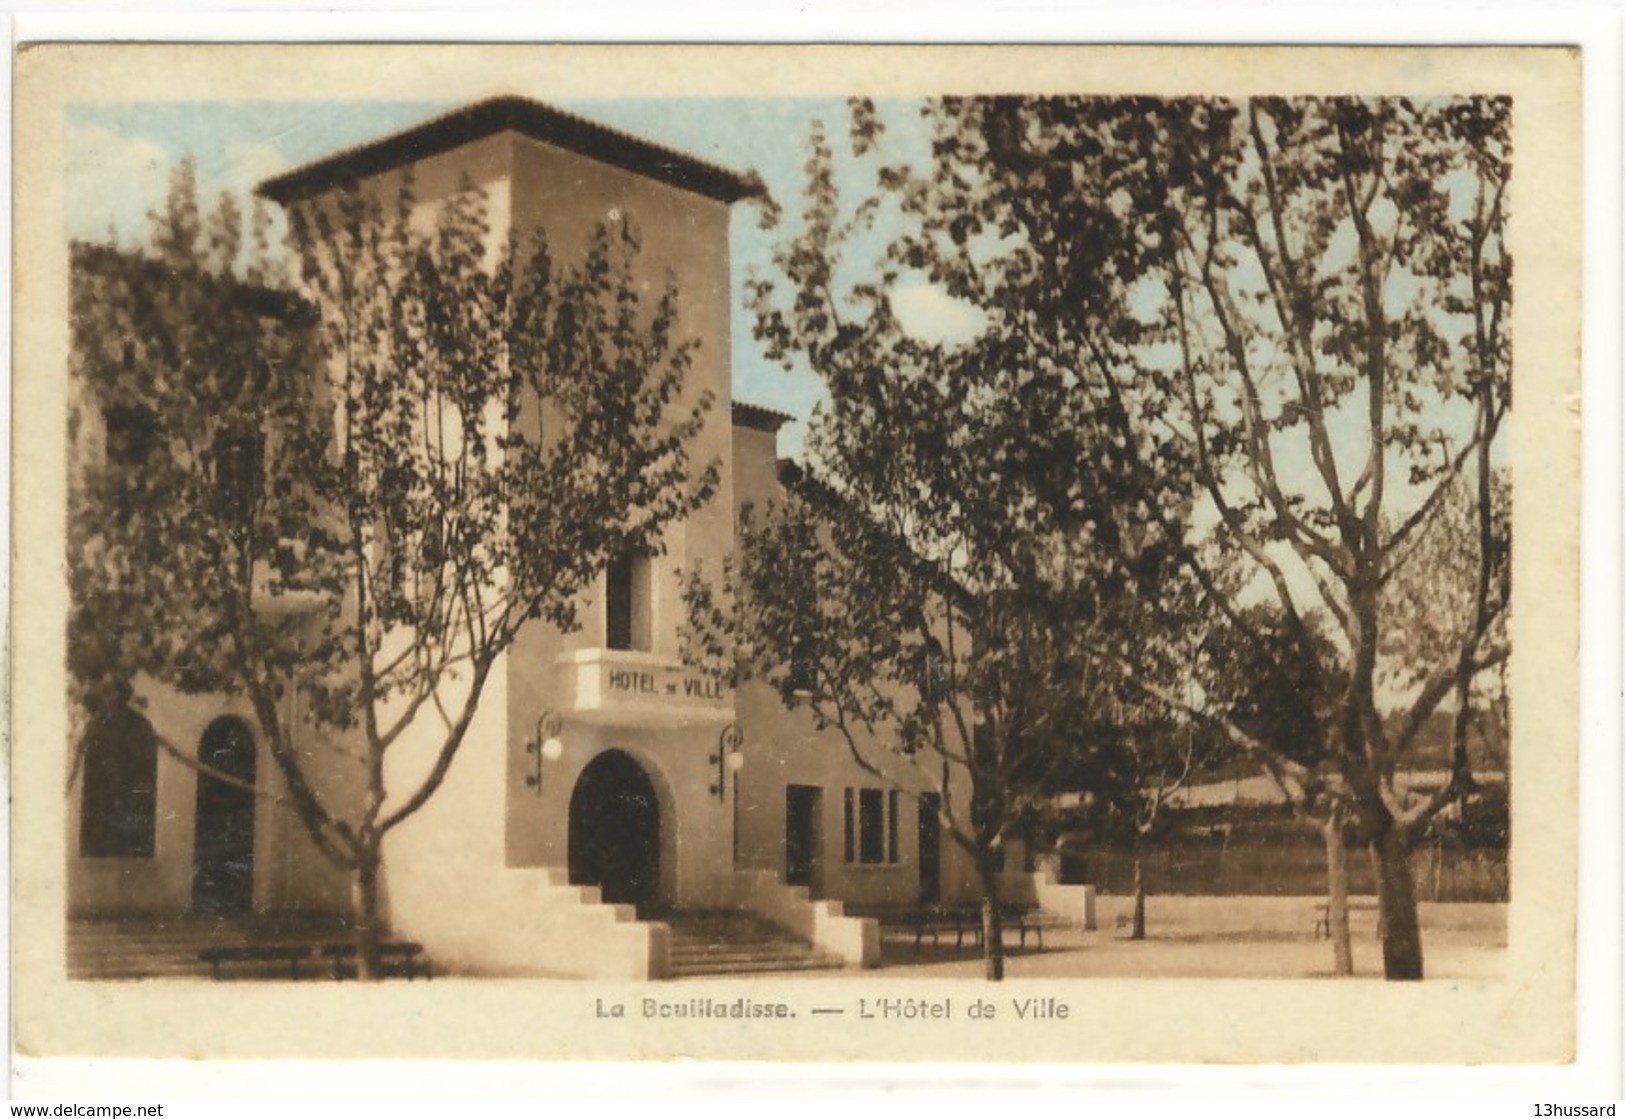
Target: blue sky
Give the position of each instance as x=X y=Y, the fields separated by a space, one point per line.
x=120 y=155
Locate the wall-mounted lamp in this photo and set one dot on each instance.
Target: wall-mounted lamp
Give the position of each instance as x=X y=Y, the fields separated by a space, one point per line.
x=727 y=759
x=544 y=747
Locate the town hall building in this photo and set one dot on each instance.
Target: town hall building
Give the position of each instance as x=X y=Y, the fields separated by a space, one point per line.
x=608 y=795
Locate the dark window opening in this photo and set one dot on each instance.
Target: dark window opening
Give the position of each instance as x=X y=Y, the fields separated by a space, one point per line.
x=132 y=435
x=618 y=603
x=394 y=511
x=891 y=826
x=802 y=804
x=803 y=667
x=871 y=826
x=238 y=470
x=223 y=847
x=131 y=441
x=434 y=543
x=936 y=673
x=930 y=840
x=851 y=827
x=118 y=817
x=627 y=603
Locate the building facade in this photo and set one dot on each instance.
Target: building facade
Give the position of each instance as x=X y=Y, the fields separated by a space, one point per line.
x=604 y=784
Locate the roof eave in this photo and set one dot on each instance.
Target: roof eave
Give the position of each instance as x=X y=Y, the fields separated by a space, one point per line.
x=528 y=118
x=758 y=418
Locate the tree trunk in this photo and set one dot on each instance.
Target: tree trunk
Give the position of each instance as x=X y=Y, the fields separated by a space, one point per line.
x=1137 y=931
x=364 y=904
x=1396 y=906
x=1337 y=894
x=992 y=920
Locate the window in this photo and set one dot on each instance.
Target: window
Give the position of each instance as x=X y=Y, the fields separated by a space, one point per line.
x=120 y=796
x=238 y=458
x=851 y=829
x=936 y=673
x=803 y=666
x=132 y=435
x=627 y=603
x=871 y=826
x=395 y=513
x=238 y=468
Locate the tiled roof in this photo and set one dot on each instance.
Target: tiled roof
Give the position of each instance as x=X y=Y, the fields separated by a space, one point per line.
x=756 y=417
x=517 y=114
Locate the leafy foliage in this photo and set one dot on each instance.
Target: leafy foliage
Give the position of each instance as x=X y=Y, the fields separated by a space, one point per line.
x=1237 y=357
x=357 y=494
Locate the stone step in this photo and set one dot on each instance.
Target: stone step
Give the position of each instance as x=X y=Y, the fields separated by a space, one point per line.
x=768 y=944
x=753 y=968
x=720 y=943
x=703 y=943
x=168 y=946
x=761 y=952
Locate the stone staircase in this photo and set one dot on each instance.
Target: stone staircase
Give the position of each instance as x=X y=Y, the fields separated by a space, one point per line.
x=167 y=947
x=718 y=943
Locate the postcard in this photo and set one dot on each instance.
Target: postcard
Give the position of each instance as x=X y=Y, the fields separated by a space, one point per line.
x=777 y=553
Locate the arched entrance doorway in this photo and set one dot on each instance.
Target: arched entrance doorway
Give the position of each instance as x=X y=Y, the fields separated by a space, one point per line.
x=615 y=830
x=223 y=859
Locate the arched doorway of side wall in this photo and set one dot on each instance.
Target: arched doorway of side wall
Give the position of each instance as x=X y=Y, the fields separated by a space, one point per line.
x=615 y=830
x=223 y=858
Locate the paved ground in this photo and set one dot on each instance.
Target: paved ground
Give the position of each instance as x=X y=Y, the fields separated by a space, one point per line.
x=1232 y=937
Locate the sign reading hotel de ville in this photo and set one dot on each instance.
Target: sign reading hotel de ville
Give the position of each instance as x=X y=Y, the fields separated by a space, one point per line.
x=749 y=459
x=618 y=683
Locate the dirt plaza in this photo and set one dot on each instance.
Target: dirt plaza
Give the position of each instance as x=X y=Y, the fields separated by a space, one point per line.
x=1218 y=937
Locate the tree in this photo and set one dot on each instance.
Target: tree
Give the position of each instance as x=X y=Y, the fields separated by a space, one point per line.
x=936 y=691
x=1337 y=283
x=1259 y=686
x=1266 y=339
x=1315 y=306
x=932 y=588
x=1147 y=767
x=349 y=504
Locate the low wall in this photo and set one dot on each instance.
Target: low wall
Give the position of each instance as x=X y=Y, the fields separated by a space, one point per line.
x=528 y=922
x=1287 y=867
x=1076 y=903
x=856 y=940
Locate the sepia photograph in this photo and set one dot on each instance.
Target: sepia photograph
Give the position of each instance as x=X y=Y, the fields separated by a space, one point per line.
x=926 y=556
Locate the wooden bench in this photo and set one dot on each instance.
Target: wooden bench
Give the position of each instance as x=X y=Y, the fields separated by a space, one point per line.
x=290 y=954
x=966 y=922
x=1031 y=919
x=940 y=919
x=394 y=958
x=1323 y=914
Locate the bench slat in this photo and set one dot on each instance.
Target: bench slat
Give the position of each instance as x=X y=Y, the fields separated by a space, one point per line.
x=396 y=956
x=938 y=920
x=290 y=954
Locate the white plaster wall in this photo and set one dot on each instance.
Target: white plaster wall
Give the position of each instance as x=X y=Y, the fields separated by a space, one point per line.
x=785 y=748
x=289 y=872
x=450 y=886
x=684 y=238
